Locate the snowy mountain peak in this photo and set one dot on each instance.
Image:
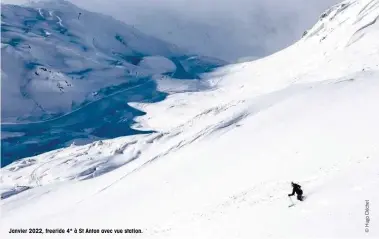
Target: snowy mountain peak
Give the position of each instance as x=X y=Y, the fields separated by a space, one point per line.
x=357 y=15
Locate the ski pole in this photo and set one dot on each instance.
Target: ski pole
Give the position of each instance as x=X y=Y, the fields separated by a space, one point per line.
x=290 y=199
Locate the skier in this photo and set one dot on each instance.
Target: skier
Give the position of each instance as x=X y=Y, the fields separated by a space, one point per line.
x=296 y=189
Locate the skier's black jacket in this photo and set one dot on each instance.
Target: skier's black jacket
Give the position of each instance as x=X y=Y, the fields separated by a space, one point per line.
x=296 y=189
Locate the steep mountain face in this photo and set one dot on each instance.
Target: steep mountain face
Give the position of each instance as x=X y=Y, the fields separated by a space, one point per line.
x=68 y=74
x=221 y=161
x=230 y=30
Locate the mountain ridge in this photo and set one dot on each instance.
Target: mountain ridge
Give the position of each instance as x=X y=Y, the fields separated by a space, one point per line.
x=91 y=65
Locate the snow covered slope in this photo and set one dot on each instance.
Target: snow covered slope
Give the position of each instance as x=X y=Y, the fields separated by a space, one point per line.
x=69 y=74
x=221 y=161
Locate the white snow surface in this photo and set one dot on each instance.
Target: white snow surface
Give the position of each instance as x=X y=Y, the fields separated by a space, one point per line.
x=221 y=162
x=158 y=64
